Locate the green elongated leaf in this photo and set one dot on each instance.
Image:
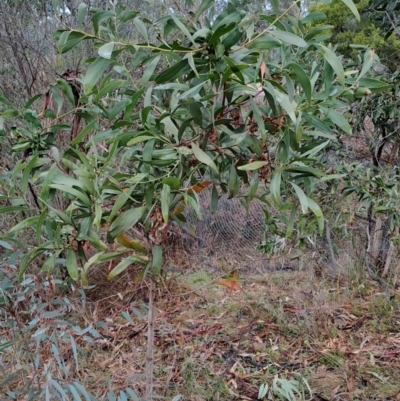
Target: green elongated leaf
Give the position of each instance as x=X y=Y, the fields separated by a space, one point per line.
x=82 y=196
x=86 y=131
x=106 y=50
x=6 y=102
x=27 y=260
x=6 y=245
x=99 y=17
x=318 y=214
x=125 y=263
x=313 y=17
x=57 y=97
x=338 y=119
x=289 y=38
x=214 y=199
x=301 y=196
x=221 y=31
x=121 y=266
x=233 y=182
x=290 y=223
x=126 y=16
x=374 y=85
x=334 y=61
x=195 y=111
x=141 y=28
x=9 y=113
x=101 y=257
x=28 y=222
x=66 y=88
x=353 y=8
x=98 y=213
x=96 y=242
x=253 y=166
x=205 y=5
x=72 y=265
x=305 y=171
x=165 y=202
x=303 y=79
x=68 y=40
x=149 y=71
x=275 y=186
x=202 y=157
x=82 y=10
x=313 y=152
x=192 y=91
x=258 y=118
x=94 y=73
x=12 y=209
x=35 y=162
x=368 y=61
x=170 y=127
x=173 y=72
x=126 y=220
x=182 y=27
x=31 y=101
x=263 y=43
x=173 y=86
x=253 y=187
x=285 y=103
x=157 y=260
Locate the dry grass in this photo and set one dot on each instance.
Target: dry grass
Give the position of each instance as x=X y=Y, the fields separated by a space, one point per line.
x=342 y=336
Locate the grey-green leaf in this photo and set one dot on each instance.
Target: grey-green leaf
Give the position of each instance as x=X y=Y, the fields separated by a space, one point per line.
x=203 y=157
x=126 y=220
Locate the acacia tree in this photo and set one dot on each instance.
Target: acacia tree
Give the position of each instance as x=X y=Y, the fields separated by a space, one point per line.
x=209 y=102
x=145 y=147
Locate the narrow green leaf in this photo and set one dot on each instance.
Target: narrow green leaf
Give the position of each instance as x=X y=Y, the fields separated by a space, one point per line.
x=264 y=43
x=82 y=10
x=338 y=119
x=285 y=103
x=106 y=50
x=182 y=27
x=126 y=220
x=318 y=213
x=233 y=182
x=369 y=58
x=205 y=5
x=275 y=186
x=94 y=73
x=334 y=61
x=149 y=70
x=82 y=196
x=173 y=72
x=253 y=166
x=289 y=38
x=72 y=265
x=353 y=8
x=121 y=267
x=303 y=80
x=157 y=259
x=202 y=157
x=301 y=196
x=99 y=17
x=66 y=88
x=141 y=28
x=165 y=201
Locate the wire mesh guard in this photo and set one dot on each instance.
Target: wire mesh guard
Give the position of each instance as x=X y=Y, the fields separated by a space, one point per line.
x=228 y=238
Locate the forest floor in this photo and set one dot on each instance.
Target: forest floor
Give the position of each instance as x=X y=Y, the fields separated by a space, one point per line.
x=341 y=339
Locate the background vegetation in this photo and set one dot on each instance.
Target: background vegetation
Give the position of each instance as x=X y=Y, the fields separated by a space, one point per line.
x=115 y=116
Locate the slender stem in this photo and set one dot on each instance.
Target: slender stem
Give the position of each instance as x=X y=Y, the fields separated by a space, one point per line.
x=150 y=343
